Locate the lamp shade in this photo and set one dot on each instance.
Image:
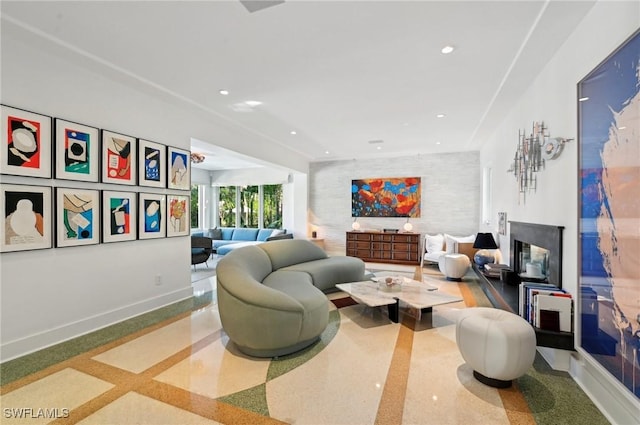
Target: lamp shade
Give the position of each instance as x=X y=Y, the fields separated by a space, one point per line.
x=485 y=241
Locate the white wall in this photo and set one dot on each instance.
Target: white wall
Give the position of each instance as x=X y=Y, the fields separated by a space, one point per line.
x=51 y=295
x=294 y=205
x=552 y=98
x=450 y=194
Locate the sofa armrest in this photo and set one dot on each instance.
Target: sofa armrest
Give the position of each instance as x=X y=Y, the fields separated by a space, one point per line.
x=278 y=237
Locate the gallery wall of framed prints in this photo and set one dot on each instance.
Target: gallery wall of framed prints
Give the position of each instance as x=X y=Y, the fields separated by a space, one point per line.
x=131 y=188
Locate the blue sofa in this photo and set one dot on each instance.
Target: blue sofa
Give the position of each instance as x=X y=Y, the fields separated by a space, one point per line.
x=226 y=239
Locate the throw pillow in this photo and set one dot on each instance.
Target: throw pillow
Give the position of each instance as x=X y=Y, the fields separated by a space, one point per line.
x=277 y=232
x=434 y=243
x=215 y=234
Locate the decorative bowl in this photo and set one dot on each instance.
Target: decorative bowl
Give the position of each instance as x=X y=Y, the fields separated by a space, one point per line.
x=390 y=284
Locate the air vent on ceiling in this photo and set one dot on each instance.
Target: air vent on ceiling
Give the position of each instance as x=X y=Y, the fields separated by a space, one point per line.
x=256 y=5
x=375 y=142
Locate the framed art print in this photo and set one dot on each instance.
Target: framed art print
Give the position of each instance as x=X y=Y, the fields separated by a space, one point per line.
x=179 y=168
x=77 y=217
x=151 y=216
x=152 y=164
x=118 y=158
x=26 y=216
x=178 y=215
x=502 y=223
x=386 y=197
x=76 y=151
x=609 y=215
x=26 y=143
x=118 y=216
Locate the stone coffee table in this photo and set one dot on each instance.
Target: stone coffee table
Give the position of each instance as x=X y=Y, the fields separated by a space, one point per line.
x=411 y=292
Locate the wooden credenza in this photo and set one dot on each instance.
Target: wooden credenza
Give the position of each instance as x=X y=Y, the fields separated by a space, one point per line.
x=381 y=247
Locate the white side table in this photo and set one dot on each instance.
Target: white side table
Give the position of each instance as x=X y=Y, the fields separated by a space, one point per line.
x=454 y=266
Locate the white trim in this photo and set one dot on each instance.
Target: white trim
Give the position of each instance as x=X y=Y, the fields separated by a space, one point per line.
x=615 y=403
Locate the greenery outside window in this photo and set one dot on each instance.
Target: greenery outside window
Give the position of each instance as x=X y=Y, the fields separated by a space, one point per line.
x=249 y=206
x=227 y=206
x=195 y=206
x=272 y=206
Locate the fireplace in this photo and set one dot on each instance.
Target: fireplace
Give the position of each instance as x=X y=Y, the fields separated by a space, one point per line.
x=536 y=249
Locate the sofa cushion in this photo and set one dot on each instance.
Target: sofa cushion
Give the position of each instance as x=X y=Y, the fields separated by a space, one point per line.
x=231 y=245
x=197 y=234
x=218 y=243
x=227 y=233
x=245 y=261
x=329 y=271
x=283 y=253
x=263 y=234
x=244 y=234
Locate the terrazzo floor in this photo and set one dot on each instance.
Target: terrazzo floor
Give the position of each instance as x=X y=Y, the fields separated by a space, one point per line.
x=364 y=370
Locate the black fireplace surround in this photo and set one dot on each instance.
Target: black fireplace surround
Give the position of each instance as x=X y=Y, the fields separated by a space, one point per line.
x=542 y=235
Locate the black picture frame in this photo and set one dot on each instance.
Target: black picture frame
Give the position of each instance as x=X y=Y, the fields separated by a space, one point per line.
x=27 y=149
x=77 y=217
x=27 y=217
x=76 y=149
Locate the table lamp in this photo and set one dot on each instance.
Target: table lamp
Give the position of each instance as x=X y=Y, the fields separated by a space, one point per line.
x=484 y=242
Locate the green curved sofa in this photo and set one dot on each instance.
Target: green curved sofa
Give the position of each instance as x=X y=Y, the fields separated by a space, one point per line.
x=271 y=296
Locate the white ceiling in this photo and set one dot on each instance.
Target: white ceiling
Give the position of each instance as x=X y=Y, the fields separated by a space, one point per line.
x=339 y=73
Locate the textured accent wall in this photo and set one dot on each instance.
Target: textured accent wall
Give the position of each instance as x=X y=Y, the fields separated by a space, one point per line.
x=451 y=186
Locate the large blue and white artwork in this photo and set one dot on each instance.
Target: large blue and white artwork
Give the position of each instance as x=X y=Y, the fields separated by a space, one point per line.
x=609 y=137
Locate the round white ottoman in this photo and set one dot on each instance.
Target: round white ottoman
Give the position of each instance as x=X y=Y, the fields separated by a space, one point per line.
x=454 y=266
x=500 y=346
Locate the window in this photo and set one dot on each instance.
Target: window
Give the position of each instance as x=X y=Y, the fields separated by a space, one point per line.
x=259 y=206
x=227 y=206
x=273 y=206
x=249 y=206
x=195 y=197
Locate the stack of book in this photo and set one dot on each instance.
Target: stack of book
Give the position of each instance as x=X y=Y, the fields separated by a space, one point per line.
x=493 y=270
x=546 y=306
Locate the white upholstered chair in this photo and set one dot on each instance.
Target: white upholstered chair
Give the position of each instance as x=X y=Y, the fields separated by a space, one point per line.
x=435 y=246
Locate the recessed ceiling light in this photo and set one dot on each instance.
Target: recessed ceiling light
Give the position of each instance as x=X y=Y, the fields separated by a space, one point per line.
x=437 y=143
x=293 y=132
x=224 y=92
x=440 y=116
x=253 y=103
x=326 y=152
x=447 y=49
x=582 y=99
x=379 y=148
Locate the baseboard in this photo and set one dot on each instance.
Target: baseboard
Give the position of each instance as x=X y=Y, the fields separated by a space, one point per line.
x=616 y=404
x=29 y=344
x=557 y=359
